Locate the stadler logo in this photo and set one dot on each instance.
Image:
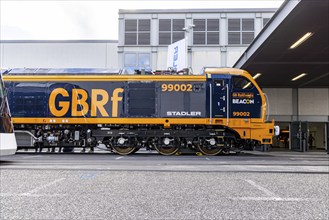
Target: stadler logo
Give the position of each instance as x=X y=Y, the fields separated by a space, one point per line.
x=182 y=113
x=243 y=101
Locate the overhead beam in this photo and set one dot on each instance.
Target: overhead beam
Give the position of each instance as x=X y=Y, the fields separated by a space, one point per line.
x=292 y=63
x=274 y=22
x=315 y=79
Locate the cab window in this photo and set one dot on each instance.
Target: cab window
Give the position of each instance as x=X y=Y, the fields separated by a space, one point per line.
x=240 y=82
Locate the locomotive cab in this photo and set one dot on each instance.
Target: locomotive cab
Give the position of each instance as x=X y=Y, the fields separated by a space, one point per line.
x=236 y=101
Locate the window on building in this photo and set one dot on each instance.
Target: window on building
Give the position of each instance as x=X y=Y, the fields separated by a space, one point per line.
x=265 y=20
x=137 y=60
x=241 y=31
x=138 y=32
x=171 y=30
x=206 y=32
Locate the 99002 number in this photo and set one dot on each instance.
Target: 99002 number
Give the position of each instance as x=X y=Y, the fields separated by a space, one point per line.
x=241 y=114
x=176 y=87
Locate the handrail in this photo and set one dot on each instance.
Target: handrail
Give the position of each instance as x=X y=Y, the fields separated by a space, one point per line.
x=210 y=104
x=227 y=104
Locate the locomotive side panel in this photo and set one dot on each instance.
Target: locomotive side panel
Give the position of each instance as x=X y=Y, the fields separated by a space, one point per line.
x=28 y=99
x=182 y=100
x=66 y=100
x=141 y=100
x=83 y=99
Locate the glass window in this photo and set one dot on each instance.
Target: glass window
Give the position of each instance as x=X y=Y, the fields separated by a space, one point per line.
x=248 y=24
x=137 y=60
x=234 y=25
x=130 y=59
x=137 y=32
x=171 y=30
x=265 y=20
x=144 y=25
x=240 y=82
x=144 y=38
x=130 y=38
x=144 y=60
x=206 y=32
x=200 y=24
x=241 y=31
x=131 y=25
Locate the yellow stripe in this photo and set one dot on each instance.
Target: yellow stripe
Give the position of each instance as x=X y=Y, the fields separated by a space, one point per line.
x=33 y=78
x=233 y=122
x=245 y=128
x=110 y=120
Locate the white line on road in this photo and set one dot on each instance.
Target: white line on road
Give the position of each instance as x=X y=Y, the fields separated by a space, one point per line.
x=32 y=156
x=30 y=195
x=271 y=199
x=207 y=158
x=118 y=158
x=264 y=190
x=42 y=187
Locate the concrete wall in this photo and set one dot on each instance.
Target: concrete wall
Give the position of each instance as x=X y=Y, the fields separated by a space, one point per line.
x=59 y=55
x=280 y=101
x=307 y=104
x=313 y=101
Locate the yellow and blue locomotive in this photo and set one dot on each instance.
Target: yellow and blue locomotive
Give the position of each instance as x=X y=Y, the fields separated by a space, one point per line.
x=222 y=110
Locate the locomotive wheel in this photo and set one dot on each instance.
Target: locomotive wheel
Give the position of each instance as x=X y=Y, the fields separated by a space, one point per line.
x=166 y=150
x=124 y=150
x=209 y=151
x=135 y=150
x=210 y=147
x=167 y=146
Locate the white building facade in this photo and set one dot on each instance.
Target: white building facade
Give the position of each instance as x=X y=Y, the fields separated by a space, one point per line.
x=59 y=54
x=218 y=36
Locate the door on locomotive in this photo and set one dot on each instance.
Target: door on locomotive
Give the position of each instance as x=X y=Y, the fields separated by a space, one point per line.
x=219 y=96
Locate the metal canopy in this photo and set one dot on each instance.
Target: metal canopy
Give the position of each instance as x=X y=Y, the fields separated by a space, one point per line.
x=270 y=53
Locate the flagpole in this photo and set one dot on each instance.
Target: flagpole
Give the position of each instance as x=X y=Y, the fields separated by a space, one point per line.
x=187 y=30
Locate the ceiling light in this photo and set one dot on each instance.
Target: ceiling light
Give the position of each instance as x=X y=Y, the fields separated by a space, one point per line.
x=301 y=40
x=298 y=77
x=257 y=75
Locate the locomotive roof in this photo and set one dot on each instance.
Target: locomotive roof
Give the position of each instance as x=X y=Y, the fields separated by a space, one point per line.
x=98 y=71
x=62 y=71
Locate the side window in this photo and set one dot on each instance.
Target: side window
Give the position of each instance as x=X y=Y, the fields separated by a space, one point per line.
x=240 y=82
x=219 y=82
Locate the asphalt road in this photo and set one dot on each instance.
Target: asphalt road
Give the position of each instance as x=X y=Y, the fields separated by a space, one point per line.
x=279 y=185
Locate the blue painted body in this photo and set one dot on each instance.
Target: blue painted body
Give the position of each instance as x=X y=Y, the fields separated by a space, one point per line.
x=218 y=97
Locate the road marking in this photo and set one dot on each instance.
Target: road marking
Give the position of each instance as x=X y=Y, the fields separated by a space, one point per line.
x=88 y=176
x=42 y=187
x=30 y=195
x=118 y=158
x=271 y=199
x=32 y=156
x=264 y=190
x=207 y=158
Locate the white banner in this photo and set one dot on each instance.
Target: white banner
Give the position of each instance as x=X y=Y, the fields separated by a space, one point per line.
x=177 y=55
